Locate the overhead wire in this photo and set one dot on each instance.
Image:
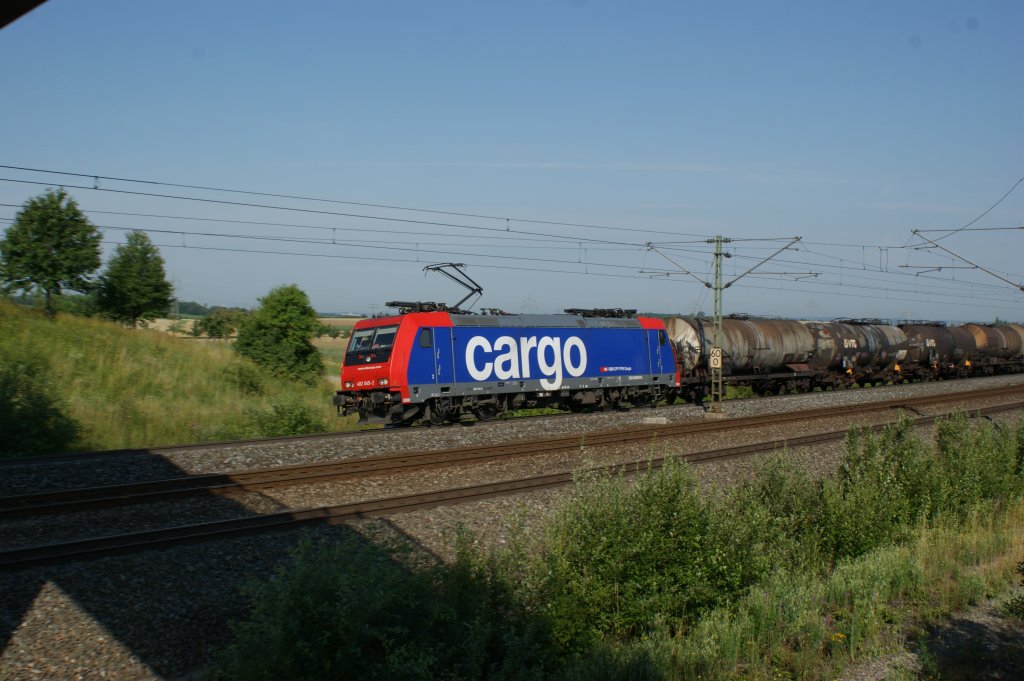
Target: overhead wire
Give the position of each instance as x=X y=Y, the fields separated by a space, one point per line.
x=317 y=212
x=98 y=177
x=846 y=268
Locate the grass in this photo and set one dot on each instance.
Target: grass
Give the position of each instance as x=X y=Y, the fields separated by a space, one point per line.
x=138 y=388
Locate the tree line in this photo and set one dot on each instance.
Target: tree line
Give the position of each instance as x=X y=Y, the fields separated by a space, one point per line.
x=52 y=247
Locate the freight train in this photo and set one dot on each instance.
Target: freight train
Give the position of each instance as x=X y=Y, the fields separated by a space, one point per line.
x=438 y=365
x=774 y=356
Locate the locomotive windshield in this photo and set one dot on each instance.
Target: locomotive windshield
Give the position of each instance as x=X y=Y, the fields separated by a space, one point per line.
x=371 y=345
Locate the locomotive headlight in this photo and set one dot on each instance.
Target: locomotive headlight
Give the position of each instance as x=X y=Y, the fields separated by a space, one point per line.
x=382 y=381
x=349 y=385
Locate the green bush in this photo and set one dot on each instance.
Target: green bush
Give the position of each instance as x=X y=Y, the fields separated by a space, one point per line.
x=221 y=322
x=290 y=417
x=32 y=415
x=278 y=335
x=622 y=557
x=1015 y=606
x=650 y=577
x=774 y=518
x=328 y=330
x=346 y=609
x=980 y=460
x=886 y=484
x=246 y=377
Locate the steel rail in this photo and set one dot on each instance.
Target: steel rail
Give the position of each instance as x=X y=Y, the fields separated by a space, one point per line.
x=81 y=457
x=91 y=498
x=333 y=515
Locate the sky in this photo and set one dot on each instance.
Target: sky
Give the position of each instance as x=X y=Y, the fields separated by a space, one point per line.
x=570 y=154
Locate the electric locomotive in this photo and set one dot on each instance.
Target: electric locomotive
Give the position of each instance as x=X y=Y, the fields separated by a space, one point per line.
x=440 y=365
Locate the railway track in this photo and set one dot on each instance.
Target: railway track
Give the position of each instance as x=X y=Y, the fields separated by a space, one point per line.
x=157 y=451
x=82 y=549
x=93 y=498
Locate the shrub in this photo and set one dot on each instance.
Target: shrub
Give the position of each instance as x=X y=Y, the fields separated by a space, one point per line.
x=1015 y=606
x=278 y=335
x=328 y=330
x=886 y=483
x=979 y=459
x=346 y=609
x=289 y=417
x=32 y=416
x=222 y=322
x=776 y=516
x=619 y=558
x=246 y=377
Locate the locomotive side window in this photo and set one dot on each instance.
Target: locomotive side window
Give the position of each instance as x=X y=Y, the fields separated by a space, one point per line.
x=427 y=338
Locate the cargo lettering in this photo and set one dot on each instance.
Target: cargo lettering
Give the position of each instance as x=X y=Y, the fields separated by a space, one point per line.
x=513 y=360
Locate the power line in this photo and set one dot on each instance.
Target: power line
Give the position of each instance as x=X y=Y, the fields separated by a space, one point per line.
x=985 y=213
x=506 y=219
x=258 y=223
x=400 y=260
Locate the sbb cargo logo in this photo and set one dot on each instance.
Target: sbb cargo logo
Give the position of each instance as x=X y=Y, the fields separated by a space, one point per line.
x=516 y=355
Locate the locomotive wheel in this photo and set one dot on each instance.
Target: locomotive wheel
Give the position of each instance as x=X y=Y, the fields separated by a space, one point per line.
x=485 y=412
x=441 y=411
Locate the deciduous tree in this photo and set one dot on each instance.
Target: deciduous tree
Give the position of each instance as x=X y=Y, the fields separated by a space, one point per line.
x=134 y=288
x=278 y=335
x=50 y=247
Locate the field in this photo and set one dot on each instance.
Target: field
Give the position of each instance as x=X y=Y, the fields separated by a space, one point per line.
x=333 y=349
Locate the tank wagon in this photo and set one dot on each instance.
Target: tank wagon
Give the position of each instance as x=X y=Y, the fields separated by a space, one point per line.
x=774 y=356
x=439 y=366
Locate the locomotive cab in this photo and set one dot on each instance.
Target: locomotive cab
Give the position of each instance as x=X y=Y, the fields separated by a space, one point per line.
x=370 y=386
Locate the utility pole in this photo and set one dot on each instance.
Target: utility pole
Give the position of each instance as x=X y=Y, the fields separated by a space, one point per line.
x=715 y=357
x=716 y=354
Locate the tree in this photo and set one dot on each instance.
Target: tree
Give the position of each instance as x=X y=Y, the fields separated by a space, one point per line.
x=51 y=246
x=222 y=322
x=134 y=288
x=278 y=335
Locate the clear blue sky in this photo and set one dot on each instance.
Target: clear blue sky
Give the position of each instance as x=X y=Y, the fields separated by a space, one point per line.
x=847 y=124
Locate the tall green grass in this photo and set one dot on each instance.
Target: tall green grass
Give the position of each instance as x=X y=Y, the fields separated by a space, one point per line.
x=653 y=577
x=138 y=388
